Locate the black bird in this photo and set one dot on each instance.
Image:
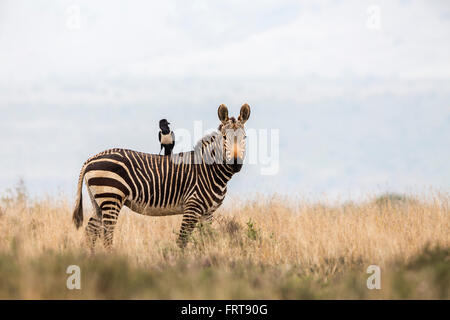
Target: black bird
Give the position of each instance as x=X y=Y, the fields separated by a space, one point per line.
x=166 y=137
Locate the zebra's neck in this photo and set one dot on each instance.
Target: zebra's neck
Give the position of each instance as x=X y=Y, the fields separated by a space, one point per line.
x=208 y=155
x=209 y=152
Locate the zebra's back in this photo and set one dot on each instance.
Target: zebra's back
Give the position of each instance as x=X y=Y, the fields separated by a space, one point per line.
x=147 y=183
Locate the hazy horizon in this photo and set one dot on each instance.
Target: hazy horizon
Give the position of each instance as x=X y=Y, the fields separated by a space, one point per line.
x=360 y=108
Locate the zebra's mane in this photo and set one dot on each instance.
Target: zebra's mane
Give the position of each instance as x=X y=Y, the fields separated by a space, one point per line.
x=207 y=139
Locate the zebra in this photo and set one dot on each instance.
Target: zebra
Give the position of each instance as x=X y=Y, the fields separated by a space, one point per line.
x=192 y=184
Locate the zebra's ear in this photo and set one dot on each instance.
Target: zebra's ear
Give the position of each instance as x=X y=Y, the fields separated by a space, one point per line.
x=245 y=113
x=223 y=113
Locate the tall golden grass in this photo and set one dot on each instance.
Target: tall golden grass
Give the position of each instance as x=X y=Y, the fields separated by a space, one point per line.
x=261 y=248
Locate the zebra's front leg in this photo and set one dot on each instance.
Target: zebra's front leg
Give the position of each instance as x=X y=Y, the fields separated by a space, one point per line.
x=190 y=219
x=208 y=217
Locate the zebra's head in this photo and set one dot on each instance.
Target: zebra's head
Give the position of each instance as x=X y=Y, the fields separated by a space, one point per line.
x=233 y=136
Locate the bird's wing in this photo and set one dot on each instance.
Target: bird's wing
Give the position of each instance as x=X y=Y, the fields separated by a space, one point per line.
x=159 y=136
x=173 y=138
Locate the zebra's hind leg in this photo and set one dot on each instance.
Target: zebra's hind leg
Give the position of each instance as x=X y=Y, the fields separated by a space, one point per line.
x=190 y=218
x=110 y=214
x=93 y=231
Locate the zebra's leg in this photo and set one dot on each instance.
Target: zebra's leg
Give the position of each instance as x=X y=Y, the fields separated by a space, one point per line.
x=94 y=226
x=110 y=214
x=93 y=231
x=190 y=218
x=207 y=217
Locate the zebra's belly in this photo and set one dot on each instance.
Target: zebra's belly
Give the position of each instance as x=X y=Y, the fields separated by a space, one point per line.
x=155 y=211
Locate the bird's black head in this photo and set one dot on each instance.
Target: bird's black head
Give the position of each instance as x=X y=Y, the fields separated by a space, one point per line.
x=164 y=124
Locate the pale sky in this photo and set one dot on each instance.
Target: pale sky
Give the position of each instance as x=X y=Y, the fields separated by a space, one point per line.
x=358 y=109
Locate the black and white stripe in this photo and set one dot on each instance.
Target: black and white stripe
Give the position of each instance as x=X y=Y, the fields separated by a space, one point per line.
x=191 y=183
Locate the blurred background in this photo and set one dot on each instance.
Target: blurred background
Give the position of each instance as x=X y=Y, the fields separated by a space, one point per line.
x=359 y=90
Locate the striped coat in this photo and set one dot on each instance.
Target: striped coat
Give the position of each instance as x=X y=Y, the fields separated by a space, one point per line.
x=192 y=184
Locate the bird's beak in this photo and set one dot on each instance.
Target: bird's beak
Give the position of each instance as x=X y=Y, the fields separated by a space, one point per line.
x=168 y=122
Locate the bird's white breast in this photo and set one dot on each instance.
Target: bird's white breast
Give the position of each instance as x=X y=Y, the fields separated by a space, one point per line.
x=166 y=138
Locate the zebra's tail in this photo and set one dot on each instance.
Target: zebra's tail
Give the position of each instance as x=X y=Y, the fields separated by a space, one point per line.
x=77 y=216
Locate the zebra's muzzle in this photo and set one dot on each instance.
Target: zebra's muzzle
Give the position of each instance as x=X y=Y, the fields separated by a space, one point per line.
x=236 y=167
x=237 y=164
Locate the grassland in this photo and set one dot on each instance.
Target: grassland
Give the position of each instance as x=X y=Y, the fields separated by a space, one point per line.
x=264 y=248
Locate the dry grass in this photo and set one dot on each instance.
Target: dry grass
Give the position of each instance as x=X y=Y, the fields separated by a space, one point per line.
x=261 y=248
